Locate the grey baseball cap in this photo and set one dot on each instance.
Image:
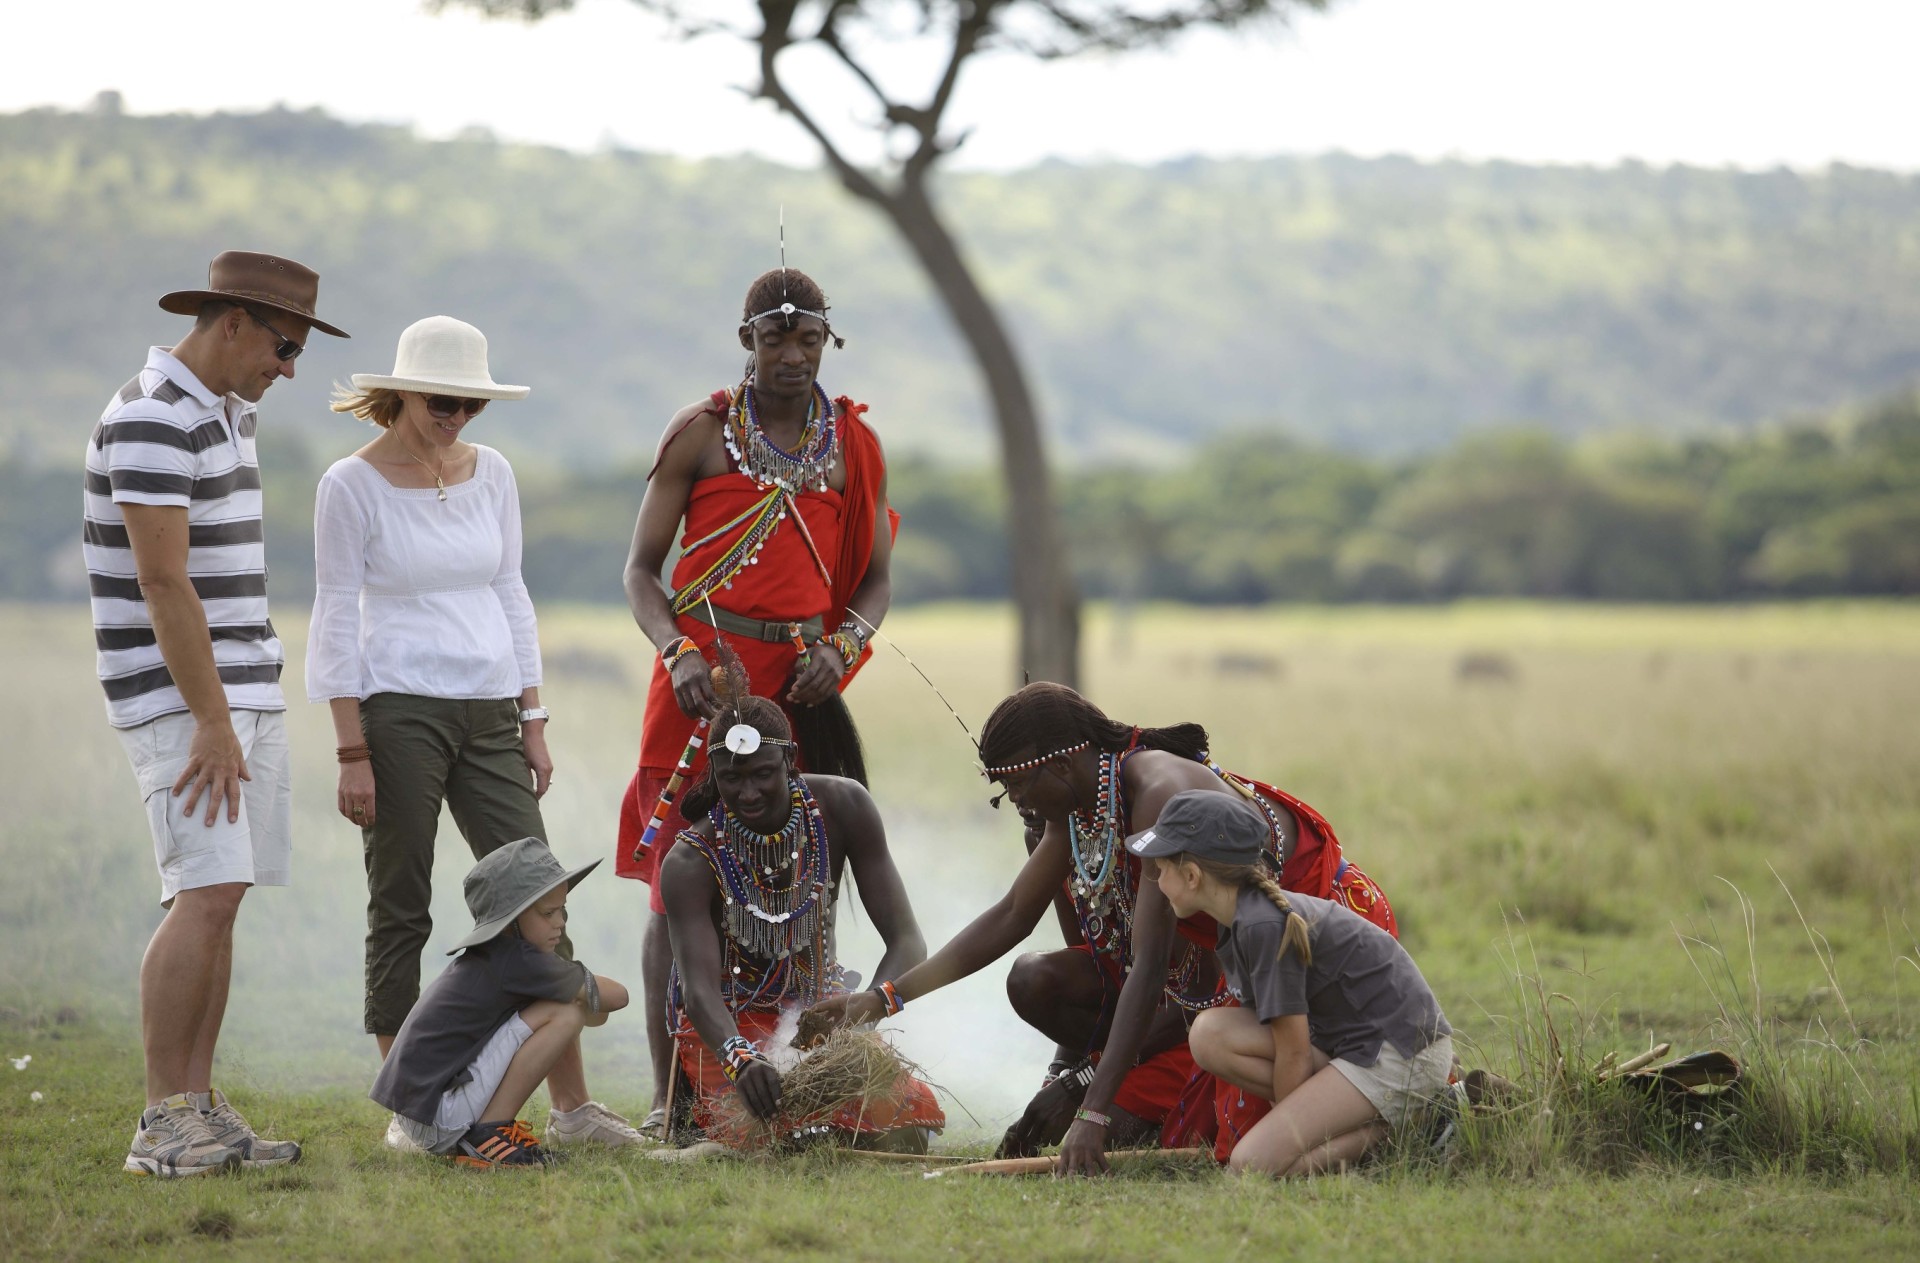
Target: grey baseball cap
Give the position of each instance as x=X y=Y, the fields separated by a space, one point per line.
x=1209 y=824
x=507 y=882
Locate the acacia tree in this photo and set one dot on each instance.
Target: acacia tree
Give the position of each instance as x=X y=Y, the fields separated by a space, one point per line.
x=854 y=32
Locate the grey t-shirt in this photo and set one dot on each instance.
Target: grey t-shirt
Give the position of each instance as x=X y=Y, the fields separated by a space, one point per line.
x=459 y=1012
x=1362 y=989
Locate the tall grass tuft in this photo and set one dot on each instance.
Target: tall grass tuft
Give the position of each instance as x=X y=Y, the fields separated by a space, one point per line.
x=1808 y=1103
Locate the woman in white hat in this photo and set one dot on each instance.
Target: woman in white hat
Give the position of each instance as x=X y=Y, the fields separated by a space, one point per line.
x=424 y=645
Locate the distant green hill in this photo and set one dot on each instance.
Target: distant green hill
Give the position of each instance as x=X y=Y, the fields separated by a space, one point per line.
x=1380 y=306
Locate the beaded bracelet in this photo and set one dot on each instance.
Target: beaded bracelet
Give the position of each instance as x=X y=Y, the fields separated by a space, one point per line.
x=853 y=628
x=736 y=1055
x=354 y=754
x=678 y=649
x=1055 y=1069
x=846 y=644
x=1093 y=1116
x=889 y=998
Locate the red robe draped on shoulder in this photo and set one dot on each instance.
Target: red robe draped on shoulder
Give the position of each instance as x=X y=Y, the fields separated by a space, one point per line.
x=784 y=583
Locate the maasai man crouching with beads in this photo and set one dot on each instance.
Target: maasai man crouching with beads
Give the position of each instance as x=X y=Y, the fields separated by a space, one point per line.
x=1123 y=1070
x=750 y=896
x=783 y=491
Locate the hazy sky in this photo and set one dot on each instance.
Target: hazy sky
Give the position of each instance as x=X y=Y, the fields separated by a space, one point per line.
x=1746 y=82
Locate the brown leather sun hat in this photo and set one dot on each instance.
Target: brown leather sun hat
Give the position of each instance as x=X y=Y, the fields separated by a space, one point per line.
x=260 y=280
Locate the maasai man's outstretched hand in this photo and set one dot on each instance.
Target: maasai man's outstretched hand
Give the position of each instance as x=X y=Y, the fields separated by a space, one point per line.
x=860 y=1008
x=1084 y=1151
x=759 y=1086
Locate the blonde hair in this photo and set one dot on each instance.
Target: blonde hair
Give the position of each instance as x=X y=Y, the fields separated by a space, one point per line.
x=377 y=404
x=1240 y=876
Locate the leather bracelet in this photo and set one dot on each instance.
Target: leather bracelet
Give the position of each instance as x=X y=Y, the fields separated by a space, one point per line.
x=354 y=754
x=1093 y=1116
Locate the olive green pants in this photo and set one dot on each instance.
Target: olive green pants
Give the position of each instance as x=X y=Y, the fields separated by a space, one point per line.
x=426 y=751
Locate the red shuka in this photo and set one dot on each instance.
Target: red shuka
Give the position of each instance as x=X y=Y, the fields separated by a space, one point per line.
x=784 y=584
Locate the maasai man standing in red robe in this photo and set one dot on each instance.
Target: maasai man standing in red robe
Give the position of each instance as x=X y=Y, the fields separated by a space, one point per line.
x=782 y=490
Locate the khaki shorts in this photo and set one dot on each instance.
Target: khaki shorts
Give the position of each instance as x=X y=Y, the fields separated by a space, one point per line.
x=256 y=849
x=460 y=1107
x=1402 y=1088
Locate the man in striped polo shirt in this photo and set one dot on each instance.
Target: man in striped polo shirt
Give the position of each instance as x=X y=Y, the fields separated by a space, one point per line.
x=191 y=667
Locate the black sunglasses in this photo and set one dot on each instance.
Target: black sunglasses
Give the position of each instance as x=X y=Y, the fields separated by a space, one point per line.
x=288 y=348
x=444 y=406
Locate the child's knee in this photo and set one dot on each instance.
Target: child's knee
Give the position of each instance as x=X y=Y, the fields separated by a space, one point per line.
x=544 y=1013
x=1207 y=1041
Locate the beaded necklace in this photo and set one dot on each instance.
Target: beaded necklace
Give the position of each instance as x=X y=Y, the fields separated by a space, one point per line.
x=1104 y=880
x=777 y=896
x=759 y=458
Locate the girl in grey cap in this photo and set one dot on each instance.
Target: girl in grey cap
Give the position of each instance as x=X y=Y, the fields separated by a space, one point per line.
x=1335 y=1024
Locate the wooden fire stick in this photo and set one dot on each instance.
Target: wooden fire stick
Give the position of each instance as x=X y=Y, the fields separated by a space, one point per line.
x=1046 y=1165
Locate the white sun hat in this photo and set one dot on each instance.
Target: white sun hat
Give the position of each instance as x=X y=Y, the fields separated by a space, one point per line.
x=441 y=356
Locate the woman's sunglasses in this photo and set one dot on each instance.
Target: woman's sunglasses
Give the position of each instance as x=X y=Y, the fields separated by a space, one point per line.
x=444 y=406
x=288 y=349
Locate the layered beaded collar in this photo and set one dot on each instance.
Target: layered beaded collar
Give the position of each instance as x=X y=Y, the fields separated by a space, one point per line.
x=807 y=468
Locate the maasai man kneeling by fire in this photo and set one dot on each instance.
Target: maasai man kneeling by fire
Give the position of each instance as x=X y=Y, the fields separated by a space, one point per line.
x=1123 y=1070
x=750 y=904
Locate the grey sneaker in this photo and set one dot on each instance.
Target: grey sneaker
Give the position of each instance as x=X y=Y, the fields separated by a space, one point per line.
x=591 y=1124
x=400 y=1140
x=231 y=1130
x=174 y=1140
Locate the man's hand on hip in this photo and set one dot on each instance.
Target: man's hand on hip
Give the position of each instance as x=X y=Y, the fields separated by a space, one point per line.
x=217 y=765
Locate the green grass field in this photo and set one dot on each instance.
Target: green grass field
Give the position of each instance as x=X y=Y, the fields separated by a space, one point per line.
x=1639 y=824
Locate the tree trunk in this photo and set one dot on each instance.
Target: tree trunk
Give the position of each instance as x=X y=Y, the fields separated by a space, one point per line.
x=1043 y=588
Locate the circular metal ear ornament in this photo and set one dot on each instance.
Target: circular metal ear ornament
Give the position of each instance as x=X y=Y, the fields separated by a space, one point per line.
x=743 y=739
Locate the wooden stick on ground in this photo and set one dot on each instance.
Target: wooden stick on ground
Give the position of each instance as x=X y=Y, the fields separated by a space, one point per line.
x=1632 y=1064
x=1046 y=1165
x=874 y=1155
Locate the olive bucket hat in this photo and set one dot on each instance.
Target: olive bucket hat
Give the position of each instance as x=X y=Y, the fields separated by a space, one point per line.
x=507 y=882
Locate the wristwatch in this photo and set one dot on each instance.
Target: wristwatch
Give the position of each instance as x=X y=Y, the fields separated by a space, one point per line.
x=537 y=712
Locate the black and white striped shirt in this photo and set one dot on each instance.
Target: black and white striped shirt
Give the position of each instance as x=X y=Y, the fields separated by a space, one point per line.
x=166 y=439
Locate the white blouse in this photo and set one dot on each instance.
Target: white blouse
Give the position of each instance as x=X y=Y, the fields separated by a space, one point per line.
x=416 y=594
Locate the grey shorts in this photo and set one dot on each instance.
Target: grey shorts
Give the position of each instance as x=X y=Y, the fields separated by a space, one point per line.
x=256 y=849
x=1402 y=1088
x=460 y=1107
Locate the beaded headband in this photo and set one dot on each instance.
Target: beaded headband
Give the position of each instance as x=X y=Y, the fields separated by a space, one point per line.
x=744 y=739
x=992 y=772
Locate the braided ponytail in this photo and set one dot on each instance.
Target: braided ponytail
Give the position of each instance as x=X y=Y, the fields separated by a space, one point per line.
x=1297 y=936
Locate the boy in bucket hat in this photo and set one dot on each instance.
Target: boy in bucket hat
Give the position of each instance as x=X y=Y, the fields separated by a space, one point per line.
x=487 y=1031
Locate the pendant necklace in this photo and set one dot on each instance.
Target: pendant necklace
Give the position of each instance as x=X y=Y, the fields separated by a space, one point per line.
x=438 y=482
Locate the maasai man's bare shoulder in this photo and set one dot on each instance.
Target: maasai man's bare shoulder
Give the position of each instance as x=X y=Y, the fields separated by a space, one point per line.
x=685 y=872
x=693 y=440
x=844 y=803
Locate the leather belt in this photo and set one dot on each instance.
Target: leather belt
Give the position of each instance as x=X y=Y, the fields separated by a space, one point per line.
x=773 y=630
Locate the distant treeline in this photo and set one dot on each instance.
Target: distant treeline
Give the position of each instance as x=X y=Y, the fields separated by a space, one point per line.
x=1826 y=507
x=1376 y=305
